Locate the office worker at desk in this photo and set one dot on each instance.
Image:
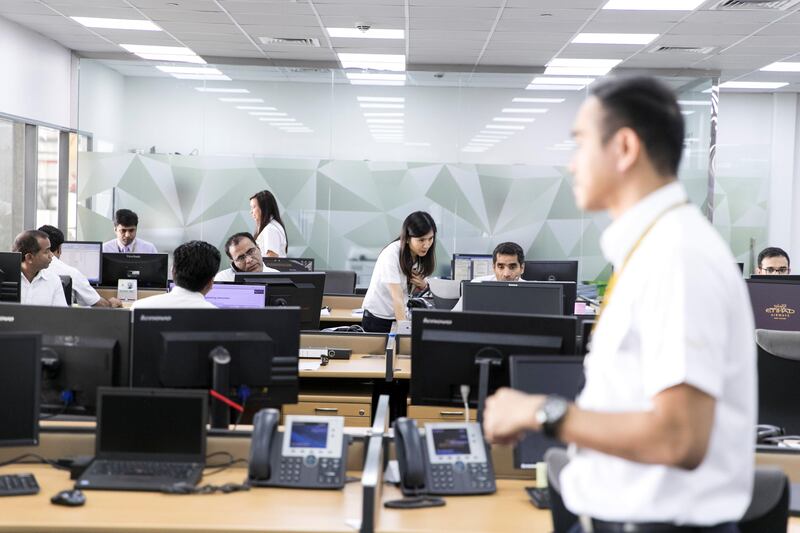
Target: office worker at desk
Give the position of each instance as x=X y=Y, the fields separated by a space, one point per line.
x=508 y=264
x=38 y=286
x=661 y=437
x=193 y=267
x=400 y=270
x=245 y=256
x=773 y=261
x=270 y=232
x=126 y=224
x=85 y=294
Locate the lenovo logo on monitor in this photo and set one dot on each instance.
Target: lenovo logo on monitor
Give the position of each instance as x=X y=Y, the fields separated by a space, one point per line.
x=775 y=305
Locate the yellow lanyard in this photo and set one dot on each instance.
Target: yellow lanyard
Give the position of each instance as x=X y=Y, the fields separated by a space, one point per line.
x=612 y=282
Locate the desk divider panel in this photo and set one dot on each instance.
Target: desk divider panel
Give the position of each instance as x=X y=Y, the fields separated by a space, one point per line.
x=372 y=484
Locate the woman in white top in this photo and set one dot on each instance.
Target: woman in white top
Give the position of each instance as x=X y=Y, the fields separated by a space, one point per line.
x=401 y=269
x=270 y=232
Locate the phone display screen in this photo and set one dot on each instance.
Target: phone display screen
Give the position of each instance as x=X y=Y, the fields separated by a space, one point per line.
x=451 y=441
x=309 y=435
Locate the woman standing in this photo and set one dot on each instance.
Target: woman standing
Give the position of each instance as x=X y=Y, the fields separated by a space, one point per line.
x=270 y=232
x=401 y=269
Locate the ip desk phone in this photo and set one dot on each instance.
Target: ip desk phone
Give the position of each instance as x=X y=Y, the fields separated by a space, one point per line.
x=450 y=459
x=311 y=453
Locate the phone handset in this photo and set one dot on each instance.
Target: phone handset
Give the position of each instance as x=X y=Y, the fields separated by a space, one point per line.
x=410 y=459
x=265 y=426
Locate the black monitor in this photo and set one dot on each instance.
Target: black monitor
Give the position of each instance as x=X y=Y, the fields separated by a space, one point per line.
x=741 y=267
x=514 y=297
x=551 y=271
x=290 y=264
x=82 y=349
x=149 y=270
x=543 y=375
x=10 y=272
x=187 y=348
x=470 y=266
x=19 y=388
x=450 y=349
x=340 y=282
x=66 y=286
x=85 y=256
x=775 y=301
x=301 y=289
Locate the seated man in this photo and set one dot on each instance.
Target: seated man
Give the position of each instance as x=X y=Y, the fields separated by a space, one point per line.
x=773 y=261
x=38 y=286
x=193 y=266
x=126 y=223
x=85 y=294
x=245 y=256
x=508 y=263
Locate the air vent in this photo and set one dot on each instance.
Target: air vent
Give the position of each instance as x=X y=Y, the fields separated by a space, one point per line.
x=683 y=49
x=776 y=5
x=288 y=41
x=309 y=70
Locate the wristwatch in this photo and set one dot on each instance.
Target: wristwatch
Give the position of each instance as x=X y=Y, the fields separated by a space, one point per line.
x=551 y=414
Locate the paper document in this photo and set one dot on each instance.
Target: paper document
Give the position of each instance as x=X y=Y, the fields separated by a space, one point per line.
x=308 y=365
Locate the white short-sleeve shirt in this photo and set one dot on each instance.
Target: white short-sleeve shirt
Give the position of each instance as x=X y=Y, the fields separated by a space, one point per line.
x=177 y=298
x=378 y=299
x=45 y=289
x=84 y=292
x=272 y=238
x=679 y=314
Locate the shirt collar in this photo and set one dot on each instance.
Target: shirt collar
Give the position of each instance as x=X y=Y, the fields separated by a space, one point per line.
x=185 y=293
x=621 y=236
x=39 y=275
x=121 y=246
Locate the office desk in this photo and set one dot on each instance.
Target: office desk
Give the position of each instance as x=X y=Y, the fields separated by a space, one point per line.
x=341 y=310
x=140 y=294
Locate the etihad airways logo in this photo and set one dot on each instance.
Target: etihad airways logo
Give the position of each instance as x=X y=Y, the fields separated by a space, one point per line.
x=155 y=318
x=437 y=321
x=780 y=312
x=6 y=319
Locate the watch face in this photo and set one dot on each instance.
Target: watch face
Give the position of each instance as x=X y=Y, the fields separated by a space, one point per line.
x=554 y=408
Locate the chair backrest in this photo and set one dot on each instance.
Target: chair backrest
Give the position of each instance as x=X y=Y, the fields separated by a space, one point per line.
x=66 y=285
x=769 y=506
x=778 y=376
x=340 y=282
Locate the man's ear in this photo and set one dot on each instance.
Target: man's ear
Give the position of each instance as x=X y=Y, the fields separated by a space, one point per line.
x=629 y=149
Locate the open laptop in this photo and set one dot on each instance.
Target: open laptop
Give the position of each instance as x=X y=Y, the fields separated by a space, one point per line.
x=147 y=439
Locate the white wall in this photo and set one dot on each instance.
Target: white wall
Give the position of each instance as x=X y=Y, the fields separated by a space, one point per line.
x=36 y=76
x=100 y=105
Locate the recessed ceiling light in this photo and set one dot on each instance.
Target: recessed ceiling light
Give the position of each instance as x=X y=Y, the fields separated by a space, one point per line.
x=202 y=77
x=384 y=114
x=654 y=5
x=386 y=126
x=615 y=38
x=373 y=131
x=241 y=100
x=513 y=119
x=375 y=76
x=521 y=100
x=503 y=127
x=580 y=67
x=753 y=85
x=395 y=62
x=266 y=114
x=576 y=71
x=493 y=132
x=473 y=149
x=380 y=98
x=542 y=80
x=782 y=66
x=385 y=120
x=177 y=59
x=221 y=90
x=417 y=144
x=255 y=108
x=378 y=82
x=371 y=33
x=205 y=71
x=117 y=24
x=485 y=140
x=153 y=49
x=276 y=120
x=382 y=106
x=541 y=87
x=525 y=110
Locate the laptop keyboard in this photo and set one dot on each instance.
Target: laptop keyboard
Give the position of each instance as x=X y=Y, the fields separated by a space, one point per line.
x=142 y=468
x=18 y=484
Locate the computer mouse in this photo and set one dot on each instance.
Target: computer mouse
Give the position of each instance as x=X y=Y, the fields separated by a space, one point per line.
x=70 y=498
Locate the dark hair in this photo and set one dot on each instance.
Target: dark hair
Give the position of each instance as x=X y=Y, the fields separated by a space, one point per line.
x=56 y=236
x=772 y=251
x=27 y=242
x=508 y=248
x=235 y=239
x=417 y=224
x=194 y=264
x=126 y=218
x=649 y=108
x=269 y=211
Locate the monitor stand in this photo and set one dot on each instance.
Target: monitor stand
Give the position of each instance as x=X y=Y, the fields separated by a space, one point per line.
x=220 y=383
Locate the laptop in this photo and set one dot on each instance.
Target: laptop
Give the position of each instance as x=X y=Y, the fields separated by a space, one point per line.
x=147 y=439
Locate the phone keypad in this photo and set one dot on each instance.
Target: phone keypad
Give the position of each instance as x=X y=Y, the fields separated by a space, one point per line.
x=329 y=471
x=479 y=476
x=442 y=476
x=289 y=471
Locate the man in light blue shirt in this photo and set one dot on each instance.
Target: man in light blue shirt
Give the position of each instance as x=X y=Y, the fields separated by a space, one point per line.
x=125 y=224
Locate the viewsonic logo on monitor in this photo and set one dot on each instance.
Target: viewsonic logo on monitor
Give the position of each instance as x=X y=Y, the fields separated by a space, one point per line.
x=6 y=319
x=780 y=312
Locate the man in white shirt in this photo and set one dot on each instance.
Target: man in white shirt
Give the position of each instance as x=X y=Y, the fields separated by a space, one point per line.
x=38 y=286
x=193 y=266
x=85 y=294
x=245 y=256
x=508 y=263
x=661 y=437
x=126 y=224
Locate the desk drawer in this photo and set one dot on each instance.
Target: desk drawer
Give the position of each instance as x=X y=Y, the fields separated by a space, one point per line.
x=350 y=406
x=427 y=413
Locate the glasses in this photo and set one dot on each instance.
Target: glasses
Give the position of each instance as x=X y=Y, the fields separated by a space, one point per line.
x=780 y=270
x=252 y=253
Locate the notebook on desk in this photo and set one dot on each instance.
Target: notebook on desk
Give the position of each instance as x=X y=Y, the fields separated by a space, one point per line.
x=147 y=439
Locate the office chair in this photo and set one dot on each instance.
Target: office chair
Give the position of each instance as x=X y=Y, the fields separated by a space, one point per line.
x=446 y=293
x=340 y=282
x=769 y=507
x=778 y=375
x=66 y=285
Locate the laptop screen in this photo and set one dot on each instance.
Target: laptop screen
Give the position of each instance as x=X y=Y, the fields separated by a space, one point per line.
x=151 y=424
x=235 y=296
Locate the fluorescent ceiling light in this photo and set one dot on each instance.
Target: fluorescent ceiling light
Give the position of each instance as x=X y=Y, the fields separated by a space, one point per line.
x=221 y=90
x=385 y=120
x=753 y=85
x=375 y=76
x=485 y=140
x=513 y=119
x=256 y=108
x=654 y=5
x=396 y=62
x=382 y=106
x=525 y=110
x=383 y=131
x=782 y=66
x=521 y=100
x=153 y=49
x=206 y=71
x=501 y=136
x=384 y=114
x=117 y=24
x=615 y=38
x=579 y=62
x=241 y=100
x=202 y=77
x=503 y=127
x=177 y=59
x=541 y=80
x=576 y=71
x=377 y=82
x=388 y=126
x=381 y=99
x=491 y=132
x=276 y=120
x=473 y=149
x=266 y=114
x=417 y=144
x=372 y=33
x=541 y=87
x=694 y=102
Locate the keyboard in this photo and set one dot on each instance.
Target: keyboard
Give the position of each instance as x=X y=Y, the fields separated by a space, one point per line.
x=142 y=468
x=18 y=485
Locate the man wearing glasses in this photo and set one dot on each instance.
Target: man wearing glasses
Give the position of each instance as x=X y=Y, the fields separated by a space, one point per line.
x=773 y=262
x=245 y=256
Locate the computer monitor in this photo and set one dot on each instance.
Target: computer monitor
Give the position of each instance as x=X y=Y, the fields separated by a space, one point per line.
x=187 y=348
x=543 y=375
x=290 y=264
x=19 y=388
x=340 y=282
x=450 y=349
x=149 y=270
x=775 y=301
x=551 y=271
x=85 y=256
x=301 y=289
x=741 y=267
x=470 y=266
x=82 y=349
x=10 y=272
x=513 y=297
x=226 y=295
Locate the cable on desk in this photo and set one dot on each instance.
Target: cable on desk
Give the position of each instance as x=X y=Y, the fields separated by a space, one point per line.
x=39 y=460
x=223 y=467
